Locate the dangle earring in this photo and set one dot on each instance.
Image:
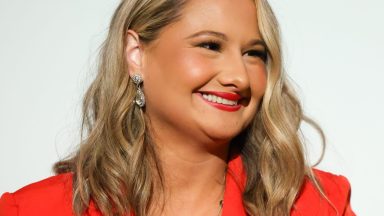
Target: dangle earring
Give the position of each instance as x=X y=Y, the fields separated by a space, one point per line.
x=139 y=98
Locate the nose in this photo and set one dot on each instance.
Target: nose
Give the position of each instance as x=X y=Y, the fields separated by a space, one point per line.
x=234 y=73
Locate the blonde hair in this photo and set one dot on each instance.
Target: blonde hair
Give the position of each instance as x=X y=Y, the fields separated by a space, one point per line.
x=116 y=164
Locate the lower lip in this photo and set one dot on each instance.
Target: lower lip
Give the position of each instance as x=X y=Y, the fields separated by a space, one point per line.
x=224 y=107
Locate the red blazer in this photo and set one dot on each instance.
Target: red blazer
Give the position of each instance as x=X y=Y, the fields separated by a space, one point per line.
x=53 y=196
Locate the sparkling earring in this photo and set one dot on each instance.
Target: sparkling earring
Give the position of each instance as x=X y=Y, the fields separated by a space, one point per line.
x=139 y=98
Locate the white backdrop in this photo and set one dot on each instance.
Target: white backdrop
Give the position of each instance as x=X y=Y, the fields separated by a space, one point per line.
x=333 y=52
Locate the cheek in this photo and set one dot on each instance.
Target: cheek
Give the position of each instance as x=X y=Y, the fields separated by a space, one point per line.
x=172 y=73
x=188 y=68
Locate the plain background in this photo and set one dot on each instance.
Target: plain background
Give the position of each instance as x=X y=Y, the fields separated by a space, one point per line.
x=333 y=52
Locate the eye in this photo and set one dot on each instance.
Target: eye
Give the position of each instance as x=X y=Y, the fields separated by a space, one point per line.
x=211 y=45
x=262 y=54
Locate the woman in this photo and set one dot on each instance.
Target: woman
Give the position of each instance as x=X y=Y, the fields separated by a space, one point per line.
x=190 y=114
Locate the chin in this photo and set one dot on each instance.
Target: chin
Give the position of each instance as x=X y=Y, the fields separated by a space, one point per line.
x=223 y=135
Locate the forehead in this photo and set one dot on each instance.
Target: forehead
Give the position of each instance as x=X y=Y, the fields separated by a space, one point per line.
x=232 y=17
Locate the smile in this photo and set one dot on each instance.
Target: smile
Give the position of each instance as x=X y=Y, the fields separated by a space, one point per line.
x=217 y=99
x=222 y=100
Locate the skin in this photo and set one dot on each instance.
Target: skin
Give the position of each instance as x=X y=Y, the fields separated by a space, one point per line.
x=193 y=136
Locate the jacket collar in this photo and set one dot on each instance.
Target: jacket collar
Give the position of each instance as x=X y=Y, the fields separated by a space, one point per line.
x=234 y=187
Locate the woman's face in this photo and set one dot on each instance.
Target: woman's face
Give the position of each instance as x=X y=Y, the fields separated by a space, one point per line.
x=205 y=74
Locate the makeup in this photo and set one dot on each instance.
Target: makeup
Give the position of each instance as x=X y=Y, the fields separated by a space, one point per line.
x=222 y=100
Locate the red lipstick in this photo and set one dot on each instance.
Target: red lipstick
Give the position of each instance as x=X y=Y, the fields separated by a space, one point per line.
x=225 y=95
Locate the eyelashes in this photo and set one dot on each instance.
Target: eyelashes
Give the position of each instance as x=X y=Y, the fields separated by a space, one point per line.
x=215 y=46
x=260 y=54
x=211 y=45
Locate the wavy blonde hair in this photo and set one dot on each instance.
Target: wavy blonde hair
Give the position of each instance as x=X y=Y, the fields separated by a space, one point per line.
x=116 y=164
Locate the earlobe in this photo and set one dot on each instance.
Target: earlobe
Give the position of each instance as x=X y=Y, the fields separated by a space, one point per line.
x=133 y=52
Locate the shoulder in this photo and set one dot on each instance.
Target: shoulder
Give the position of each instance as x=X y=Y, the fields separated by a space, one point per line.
x=337 y=190
x=51 y=196
x=337 y=187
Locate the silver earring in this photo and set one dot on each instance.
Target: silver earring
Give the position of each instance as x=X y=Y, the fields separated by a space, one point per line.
x=139 y=98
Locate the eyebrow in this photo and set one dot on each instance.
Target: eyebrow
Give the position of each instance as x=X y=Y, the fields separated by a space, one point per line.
x=224 y=37
x=208 y=32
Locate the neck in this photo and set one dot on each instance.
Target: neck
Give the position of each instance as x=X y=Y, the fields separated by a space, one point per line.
x=185 y=171
x=193 y=175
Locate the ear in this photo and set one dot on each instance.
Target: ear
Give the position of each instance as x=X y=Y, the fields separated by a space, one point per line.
x=133 y=53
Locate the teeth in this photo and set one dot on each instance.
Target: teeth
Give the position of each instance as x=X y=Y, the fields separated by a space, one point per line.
x=220 y=100
x=214 y=98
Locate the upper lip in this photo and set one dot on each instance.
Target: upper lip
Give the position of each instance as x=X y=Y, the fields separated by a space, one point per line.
x=225 y=95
